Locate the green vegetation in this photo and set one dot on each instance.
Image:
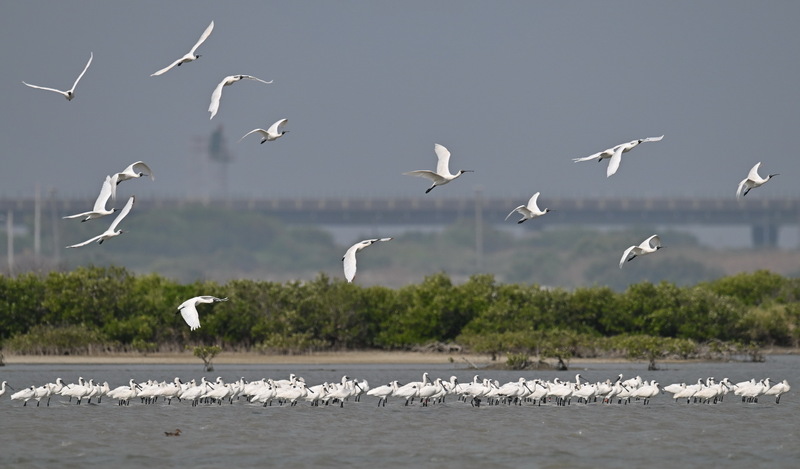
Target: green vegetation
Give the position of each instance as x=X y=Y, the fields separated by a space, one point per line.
x=207 y=353
x=94 y=309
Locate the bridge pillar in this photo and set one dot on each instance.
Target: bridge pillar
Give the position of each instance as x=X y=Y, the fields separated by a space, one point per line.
x=765 y=235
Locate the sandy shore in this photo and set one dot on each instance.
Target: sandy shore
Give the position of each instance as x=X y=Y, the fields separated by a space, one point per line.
x=329 y=358
x=326 y=358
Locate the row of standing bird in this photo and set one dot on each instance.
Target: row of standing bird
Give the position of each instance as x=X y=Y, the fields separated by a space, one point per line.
x=439 y=177
x=427 y=391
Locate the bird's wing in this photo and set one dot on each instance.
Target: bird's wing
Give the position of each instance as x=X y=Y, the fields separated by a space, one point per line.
x=349 y=262
x=88 y=241
x=435 y=177
x=91 y=56
x=190 y=315
x=515 y=210
x=590 y=157
x=250 y=77
x=141 y=167
x=276 y=127
x=626 y=254
x=187 y=302
x=45 y=88
x=77 y=215
x=203 y=37
x=443 y=156
x=753 y=174
x=122 y=214
x=740 y=189
x=207 y=299
x=652 y=139
x=532 y=206
x=613 y=163
x=167 y=68
x=261 y=131
x=652 y=242
x=105 y=194
x=114 y=182
x=597 y=156
x=215 y=97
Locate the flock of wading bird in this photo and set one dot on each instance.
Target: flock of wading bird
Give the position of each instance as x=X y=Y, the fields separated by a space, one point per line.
x=439 y=177
x=425 y=392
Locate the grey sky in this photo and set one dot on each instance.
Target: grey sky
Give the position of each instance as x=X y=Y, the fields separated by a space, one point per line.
x=513 y=89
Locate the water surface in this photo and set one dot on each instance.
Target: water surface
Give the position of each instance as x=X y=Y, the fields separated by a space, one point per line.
x=665 y=433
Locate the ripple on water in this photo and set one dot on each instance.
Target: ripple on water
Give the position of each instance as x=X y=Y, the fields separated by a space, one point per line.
x=362 y=435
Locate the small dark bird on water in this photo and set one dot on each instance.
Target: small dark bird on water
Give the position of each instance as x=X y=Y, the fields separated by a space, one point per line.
x=177 y=432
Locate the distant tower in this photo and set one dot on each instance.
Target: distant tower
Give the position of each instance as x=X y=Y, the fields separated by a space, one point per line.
x=219 y=153
x=208 y=166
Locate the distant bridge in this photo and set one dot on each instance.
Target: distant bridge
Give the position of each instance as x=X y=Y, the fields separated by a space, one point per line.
x=764 y=215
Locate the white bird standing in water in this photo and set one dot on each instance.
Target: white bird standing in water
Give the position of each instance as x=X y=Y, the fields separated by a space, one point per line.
x=190 y=56
x=780 y=388
x=648 y=246
x=752 y=181
x=349 y=259
x=112 y=230
x=615 y=153
x=99 y=209
x=70 y=93
x=442 y=174
x=24 y=395
x=188 y=309
x=227 y=81
x=274 y=132
x=529 y=211
x=133 y=171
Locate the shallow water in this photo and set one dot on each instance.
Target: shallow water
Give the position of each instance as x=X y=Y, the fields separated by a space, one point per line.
x=731 y=433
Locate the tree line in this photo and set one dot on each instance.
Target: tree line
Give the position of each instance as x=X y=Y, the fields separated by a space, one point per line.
x=105 y=309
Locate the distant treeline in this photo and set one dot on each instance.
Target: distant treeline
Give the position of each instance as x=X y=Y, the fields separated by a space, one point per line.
x=91 y=310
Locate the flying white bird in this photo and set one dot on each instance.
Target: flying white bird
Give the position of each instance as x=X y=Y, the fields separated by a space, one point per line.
x=190 y=56
x=112 y=230
x=648 y=246
x=349 y=259
x=615 y=153
x=133 y=171
x=274 y=132
x=70 y=93
x=442 y=175
x=229 y=80
x=753 y=180
x=99 y=209
x=529 y=211
x=188 y=309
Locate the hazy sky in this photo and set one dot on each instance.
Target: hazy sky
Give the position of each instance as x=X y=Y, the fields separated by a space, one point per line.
x=513 y=89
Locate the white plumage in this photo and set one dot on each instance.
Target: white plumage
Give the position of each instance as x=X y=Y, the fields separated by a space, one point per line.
x=442 y=174
x=99 y=209
x=70 y=93
x=112 y=230
x=227 y=81
x=349 y=259
x=615 y=153
x=531 y=210
x=188 y=309
x=190 y=56
x=648 y=246
x=133 y=171
x=752 y=181
x=274 y=132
